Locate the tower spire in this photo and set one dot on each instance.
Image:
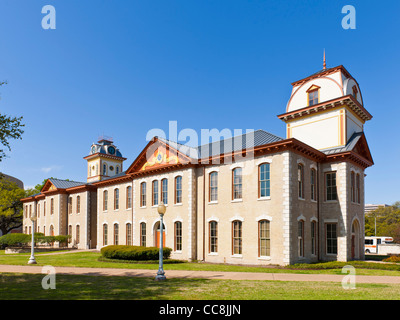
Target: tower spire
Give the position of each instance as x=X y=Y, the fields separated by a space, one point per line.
x=324 y=64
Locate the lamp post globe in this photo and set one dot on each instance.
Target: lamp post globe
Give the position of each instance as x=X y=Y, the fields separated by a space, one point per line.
x=32 y=257
x=161 y=209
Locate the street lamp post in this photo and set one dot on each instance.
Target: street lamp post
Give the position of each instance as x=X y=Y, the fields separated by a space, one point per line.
x=32 y=257
x=160 y=273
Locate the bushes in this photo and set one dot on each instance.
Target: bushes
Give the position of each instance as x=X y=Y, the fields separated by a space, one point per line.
x=22 y=239
x=15 y=240
x=138 y=253
x=392 y=258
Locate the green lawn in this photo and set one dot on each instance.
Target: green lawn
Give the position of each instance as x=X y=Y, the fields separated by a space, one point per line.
x=71 y=287
x=90 y=259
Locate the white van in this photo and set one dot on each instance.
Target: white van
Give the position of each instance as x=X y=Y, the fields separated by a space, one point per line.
x=372 y=242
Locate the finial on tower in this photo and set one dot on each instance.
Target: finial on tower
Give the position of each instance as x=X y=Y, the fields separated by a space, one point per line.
x=324 y=64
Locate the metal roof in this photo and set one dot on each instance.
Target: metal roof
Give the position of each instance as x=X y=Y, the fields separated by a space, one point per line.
x=226 y=146
x=64 y=184
x=348 y=147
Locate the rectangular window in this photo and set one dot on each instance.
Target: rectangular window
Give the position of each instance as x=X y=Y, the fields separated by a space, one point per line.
x=264 y=240
x=213 y=189
x=313 y=97
x=264 y=180
x=358 y=189
x=236 y=237
x=331 y=238
x=313 y=184
x=237 y=183
x=213 y=237
x=164 y=191
x=44 y=209
x=178 y=189
x=331 y=191
x=155 y=192
x=143 y=194
x=178 y=236
x=143 y=234
x=52 y=206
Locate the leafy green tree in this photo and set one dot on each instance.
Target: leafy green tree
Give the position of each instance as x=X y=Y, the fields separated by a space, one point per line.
x=10 y=128
x=387 y=222
x=10 y=205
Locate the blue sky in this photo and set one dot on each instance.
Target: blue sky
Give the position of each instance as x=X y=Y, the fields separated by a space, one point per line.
x=121 y=68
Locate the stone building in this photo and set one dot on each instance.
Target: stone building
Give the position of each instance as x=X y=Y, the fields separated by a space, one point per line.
x=251 y=199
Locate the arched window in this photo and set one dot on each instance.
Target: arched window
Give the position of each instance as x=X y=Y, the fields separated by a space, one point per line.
x=77 y=234
x=178 y=236
x=237 y=183
x=105 y=200
x=69 y=205
x=143 y=194
x=105 y=234
x=116 y=199
x=128 y=234
x=237 y=237
x=129 y=197
x=155 y=192
x=264 y=238
x=213 y=237
x=213 y=186
x=116 y=169
x=78 y=204
x=300 y=238
x=300 y=179
x=104 y=169
x=164 y=191
x=69 y=233
x=178 y=189
x=51 y=206
x=143 y=234
x=358 y=189
x=313 y=237
x=353 y=187
x=264 y=180
x=313 y=181
x=116 y=233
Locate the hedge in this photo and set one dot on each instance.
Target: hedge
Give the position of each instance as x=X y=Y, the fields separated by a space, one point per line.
x=123 y=252
x=22 y=239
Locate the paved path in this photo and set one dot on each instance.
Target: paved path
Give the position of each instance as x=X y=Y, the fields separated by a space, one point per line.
x=200 y=274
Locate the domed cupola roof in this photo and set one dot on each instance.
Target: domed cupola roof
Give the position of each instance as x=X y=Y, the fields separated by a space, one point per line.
x=105 y=146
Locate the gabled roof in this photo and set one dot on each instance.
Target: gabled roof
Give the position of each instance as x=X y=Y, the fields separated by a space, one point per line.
x=60 y=184
x=357 y=146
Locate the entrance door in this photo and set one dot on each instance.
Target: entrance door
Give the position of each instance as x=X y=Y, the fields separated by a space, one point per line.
x=158 y=234
x=353 y=245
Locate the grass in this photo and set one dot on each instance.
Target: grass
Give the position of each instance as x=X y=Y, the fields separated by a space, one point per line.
x=91 y=260
x=77 y=287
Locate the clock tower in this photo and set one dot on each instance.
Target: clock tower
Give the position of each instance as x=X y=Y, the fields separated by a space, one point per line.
x=104 y=160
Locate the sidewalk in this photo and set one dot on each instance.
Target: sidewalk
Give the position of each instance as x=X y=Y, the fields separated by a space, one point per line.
x=170 y=274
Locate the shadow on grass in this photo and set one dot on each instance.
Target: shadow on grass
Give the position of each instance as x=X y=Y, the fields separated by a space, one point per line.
x=15 y=286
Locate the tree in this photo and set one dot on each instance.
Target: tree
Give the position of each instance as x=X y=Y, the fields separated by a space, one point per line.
x=387 y=222
x=10 y=128
x=10 y=205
